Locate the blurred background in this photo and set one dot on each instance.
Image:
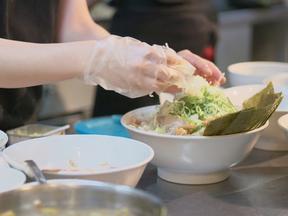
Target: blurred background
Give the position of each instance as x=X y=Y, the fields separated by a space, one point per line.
x=246 y=30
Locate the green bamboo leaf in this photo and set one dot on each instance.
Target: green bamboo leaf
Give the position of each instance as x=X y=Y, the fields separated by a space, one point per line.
x=259 y=99
x=256 y=111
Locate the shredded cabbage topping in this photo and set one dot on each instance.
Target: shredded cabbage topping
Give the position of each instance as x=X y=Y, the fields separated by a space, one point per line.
x=190 y=111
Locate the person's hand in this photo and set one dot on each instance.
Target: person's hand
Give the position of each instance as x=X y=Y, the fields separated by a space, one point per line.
x=129 y=67
x=204 y=68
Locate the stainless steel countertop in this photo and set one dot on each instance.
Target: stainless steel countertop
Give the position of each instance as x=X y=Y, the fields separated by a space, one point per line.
x=257 y=187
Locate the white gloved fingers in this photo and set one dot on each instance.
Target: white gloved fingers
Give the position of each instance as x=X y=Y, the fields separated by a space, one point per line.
x=130 y=67
x=171 y=56
x=167 y=74
x=157 y=55
x=204 y=68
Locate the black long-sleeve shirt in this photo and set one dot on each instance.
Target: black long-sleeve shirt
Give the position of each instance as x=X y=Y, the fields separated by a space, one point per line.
x=29 y=21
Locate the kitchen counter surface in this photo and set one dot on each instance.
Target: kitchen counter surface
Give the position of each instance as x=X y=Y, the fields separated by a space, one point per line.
x=256 y=187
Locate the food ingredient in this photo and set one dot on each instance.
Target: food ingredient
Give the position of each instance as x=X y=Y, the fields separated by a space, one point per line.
x=190 y=111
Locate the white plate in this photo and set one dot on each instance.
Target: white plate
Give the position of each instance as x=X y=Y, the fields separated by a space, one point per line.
x=10 y=179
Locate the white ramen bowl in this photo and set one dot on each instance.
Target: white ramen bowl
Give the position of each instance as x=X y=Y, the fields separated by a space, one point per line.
x=104 y=158
x=192 y=159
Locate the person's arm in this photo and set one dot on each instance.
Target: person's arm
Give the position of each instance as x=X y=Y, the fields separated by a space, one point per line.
x=125 y=65
x=142 y=68
x=75 y=22
x=29 y=64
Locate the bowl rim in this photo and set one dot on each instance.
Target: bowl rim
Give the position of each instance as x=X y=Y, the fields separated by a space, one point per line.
x=74 y=183
x=194 y=137
x=232 y=66
x=15 y=163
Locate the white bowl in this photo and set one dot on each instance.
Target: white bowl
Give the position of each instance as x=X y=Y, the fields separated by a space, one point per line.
x=273 y=138
x=3 y=140
x=246 y=73
x=10 y=179
x=283 y=124
x=280 y=80
x=103 y=158
x=280 y=83
x=239 y=94
x=193 y=159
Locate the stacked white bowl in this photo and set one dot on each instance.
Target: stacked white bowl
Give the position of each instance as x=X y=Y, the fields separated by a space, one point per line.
x=246 y=73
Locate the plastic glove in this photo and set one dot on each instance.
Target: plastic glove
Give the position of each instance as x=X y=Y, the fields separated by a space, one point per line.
x=129 y=67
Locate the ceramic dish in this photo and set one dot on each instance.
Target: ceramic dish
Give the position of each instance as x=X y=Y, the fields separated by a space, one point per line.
x=246 y=73
x=193 y=159
x=10 y=179
x=95 y=157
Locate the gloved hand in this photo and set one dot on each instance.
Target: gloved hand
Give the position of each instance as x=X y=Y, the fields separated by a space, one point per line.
x=130 y=67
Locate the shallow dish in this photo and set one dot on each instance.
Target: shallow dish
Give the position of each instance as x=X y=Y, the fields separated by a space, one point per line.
x=193 y=159
x=104 y=158
x=273 y=138
x=245 y=73
x=32 y=131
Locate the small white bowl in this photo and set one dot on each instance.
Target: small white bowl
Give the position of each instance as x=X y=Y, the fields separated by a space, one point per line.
x=273 y=138
x=283 y=124
x=10 y=179
x=193 y=159
x=3 y=140
x=103 y=158
x=246 y=73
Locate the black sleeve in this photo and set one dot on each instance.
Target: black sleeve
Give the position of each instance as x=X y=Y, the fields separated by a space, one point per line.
x=17 y=106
